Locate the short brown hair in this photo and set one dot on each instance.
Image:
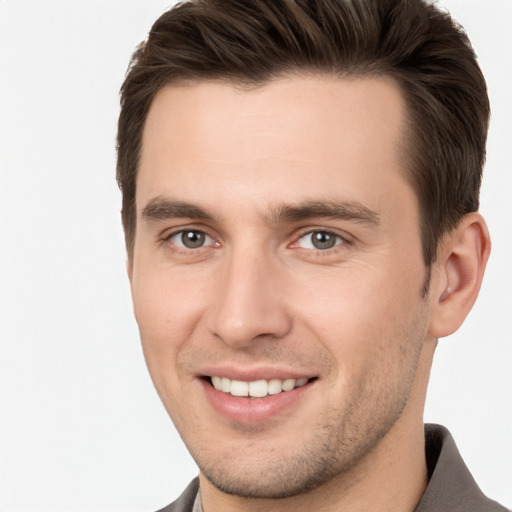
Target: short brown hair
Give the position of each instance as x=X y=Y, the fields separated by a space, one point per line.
x=250 y=42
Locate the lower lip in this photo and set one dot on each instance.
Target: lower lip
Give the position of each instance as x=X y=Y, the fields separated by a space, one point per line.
x=252 y=410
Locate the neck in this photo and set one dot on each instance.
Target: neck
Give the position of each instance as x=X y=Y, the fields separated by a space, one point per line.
x=391 y=478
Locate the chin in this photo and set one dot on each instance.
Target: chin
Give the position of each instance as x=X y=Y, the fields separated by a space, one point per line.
x=263 y=474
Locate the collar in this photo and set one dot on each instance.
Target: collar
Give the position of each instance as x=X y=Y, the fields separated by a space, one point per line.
x=451 y=487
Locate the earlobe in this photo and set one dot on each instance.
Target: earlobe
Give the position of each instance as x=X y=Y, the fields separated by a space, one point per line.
x=460 y=267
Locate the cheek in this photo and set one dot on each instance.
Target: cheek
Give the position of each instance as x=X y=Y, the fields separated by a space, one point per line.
x=363 y=309
x=166 y=309
x=166 y=316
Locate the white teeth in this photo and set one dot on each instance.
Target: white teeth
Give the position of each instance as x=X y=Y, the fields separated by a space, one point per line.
x=275 y=386
x=300 y=382
x=225 y=385
x=257 y=388
x=239 y=388
x=288 y=384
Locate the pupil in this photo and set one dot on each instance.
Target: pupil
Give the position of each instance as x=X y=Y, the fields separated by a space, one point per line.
x=192 y=239
x=323 y=240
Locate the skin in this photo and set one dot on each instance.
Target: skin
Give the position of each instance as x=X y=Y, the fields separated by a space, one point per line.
x=259 y=298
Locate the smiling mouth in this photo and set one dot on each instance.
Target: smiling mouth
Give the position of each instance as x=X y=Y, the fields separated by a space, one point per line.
x=257 y=388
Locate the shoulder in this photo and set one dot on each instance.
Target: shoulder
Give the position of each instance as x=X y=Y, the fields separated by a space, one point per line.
x=451 y=487
x=186 y=501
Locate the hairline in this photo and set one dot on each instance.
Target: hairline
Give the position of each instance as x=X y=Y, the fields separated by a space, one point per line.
x=405 y=142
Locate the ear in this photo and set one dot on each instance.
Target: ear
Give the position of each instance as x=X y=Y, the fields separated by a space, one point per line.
x=457 y=274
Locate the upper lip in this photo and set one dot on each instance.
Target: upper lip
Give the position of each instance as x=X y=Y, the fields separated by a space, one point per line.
x=253 y=374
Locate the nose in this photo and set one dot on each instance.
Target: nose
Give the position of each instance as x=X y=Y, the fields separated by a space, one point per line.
x=251 y=302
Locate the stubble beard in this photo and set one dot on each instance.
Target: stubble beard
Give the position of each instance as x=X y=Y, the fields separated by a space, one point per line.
x=337 y=446
x=292 y=476
x=339 y=442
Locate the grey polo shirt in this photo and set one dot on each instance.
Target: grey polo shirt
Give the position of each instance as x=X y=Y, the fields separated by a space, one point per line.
x=451 y=487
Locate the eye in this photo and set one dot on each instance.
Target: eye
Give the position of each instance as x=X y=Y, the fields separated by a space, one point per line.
x=319 y=240
x=191 y=239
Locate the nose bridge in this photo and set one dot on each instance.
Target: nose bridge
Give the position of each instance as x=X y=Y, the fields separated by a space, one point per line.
x=249 y=303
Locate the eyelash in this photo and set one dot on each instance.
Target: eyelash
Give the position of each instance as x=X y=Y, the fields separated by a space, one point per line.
x=180 y=248
x=341 y=241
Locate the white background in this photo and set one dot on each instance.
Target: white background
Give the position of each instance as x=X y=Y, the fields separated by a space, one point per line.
x=81 y=427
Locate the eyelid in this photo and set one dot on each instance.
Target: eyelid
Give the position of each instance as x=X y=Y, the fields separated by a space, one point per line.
x=176 y=235
x=345 y=238
x=167 y=235
x=179 y=228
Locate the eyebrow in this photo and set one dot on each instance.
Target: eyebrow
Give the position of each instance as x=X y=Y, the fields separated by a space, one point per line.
x=164 y=209
x=350 y=211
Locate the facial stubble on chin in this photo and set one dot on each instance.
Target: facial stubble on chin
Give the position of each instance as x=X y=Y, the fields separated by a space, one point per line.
x=338 y=443
x=335 y=448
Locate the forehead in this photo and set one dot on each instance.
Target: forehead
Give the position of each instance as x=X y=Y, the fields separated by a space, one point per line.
x=296 y=135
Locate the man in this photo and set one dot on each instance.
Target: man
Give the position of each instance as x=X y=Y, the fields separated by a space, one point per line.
x=300 y=191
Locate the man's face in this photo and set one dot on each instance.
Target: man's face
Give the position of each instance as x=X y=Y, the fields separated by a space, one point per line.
x=278 y=245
